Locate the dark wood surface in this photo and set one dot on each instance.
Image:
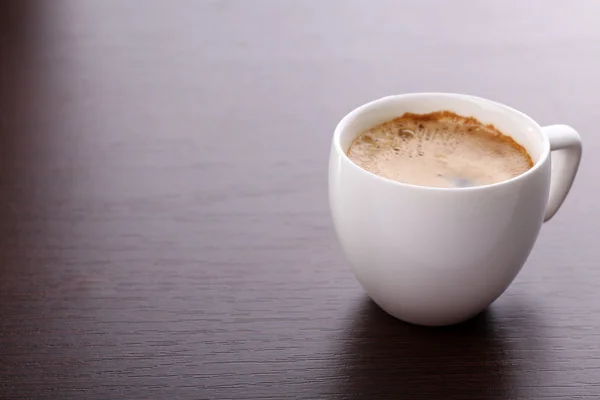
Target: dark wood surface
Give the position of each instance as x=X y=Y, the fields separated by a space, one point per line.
x=165 y=231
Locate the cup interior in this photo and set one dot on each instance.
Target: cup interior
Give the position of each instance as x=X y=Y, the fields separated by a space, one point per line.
x=523 y=129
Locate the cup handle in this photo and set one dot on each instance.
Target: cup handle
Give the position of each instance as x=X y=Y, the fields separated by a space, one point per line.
x=565 y=147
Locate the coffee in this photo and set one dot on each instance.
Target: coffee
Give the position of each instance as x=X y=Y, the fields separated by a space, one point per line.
x=439 y=149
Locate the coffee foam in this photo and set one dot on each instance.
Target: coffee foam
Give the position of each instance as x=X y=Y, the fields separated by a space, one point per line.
x=439 y=149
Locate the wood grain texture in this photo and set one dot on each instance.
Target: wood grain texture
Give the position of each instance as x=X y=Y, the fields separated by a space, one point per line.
x=164 y=228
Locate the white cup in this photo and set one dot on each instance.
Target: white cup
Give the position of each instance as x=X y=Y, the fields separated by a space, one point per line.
x=436 y=256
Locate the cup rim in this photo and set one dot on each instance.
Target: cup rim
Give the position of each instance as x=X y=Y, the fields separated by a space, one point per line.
x=545 y=151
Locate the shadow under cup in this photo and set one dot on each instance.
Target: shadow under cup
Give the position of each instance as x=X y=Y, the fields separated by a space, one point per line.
x=436 y=256
x=385 y=359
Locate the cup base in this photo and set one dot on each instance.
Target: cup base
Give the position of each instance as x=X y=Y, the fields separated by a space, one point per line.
x=433 y=321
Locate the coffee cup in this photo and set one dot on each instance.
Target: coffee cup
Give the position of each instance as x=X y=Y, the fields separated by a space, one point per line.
x=439 y=256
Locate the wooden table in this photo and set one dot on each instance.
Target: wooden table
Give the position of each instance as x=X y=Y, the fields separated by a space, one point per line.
x=165 y=231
